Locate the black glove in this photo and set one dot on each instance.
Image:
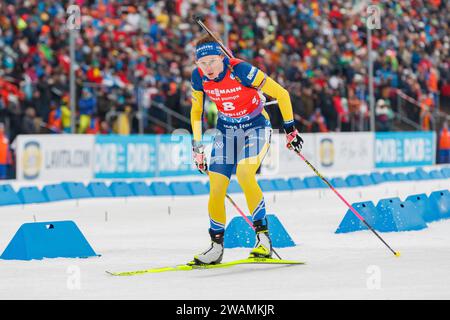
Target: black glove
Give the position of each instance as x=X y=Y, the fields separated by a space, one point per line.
x=293 y=139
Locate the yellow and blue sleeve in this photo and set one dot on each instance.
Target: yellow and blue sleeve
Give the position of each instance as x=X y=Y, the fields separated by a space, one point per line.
x=253 y=77
x=198 y=99
x=276 y=91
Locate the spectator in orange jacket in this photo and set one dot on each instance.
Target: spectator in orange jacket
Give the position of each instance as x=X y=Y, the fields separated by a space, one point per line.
x=54 y=119
x=5 y=153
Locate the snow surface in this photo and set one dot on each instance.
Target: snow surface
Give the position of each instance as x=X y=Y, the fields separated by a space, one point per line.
x=139 y=233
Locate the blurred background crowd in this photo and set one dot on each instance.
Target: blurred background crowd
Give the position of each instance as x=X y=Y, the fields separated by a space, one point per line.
x=138 y=55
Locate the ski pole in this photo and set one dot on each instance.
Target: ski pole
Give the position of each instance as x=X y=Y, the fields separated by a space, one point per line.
x=248 y=221
x=396 y=253
x=240 y=211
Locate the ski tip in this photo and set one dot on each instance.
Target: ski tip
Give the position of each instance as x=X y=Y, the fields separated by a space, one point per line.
x=397 y=254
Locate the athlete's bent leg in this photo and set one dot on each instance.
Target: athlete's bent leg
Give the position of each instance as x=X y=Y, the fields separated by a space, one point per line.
x=246 y=175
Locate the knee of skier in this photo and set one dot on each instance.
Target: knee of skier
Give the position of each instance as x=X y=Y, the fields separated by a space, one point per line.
x=218 y=184
x=245 y=173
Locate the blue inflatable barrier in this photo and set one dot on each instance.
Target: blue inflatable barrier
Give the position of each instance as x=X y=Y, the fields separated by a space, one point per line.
x=55 y=192
x=401 y=176
x=281 y=184
x=180 y=188
x=297 y=183
x=31 y=195
x=422 y=174
x=266 y=185
x=338 y=182
x=140 y=189
x=436 y=174
x=76 y=190
x=389 y=176
x=366 y=180
x=407 y=217
x=351 y=222
x=198 y=187
x=353 y=180
x=239 y=234
x=56 y=239
x=121 y=189
x=384 y=221
x=160 y=188
x=394 y=215
x=413 y=176
x=446 y=172
x=99 y=190
x=388 y=201
x=8 y=196
x=314 y=182
x=389 y=215
x=422 y=203
x=440 y=206
x=377 y=177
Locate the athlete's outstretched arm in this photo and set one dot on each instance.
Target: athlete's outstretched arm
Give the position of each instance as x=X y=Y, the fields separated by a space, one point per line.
x=276 y=91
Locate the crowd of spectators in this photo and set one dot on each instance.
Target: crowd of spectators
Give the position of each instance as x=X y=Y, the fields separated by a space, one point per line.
x=134 y=54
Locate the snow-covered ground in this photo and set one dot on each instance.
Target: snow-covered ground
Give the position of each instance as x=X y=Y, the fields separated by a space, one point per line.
x=138 y=233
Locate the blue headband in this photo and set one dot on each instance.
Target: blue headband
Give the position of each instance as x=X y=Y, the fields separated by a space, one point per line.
x=208 y=49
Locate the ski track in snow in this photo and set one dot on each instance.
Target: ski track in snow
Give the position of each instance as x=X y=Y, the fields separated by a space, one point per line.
x=139 y=233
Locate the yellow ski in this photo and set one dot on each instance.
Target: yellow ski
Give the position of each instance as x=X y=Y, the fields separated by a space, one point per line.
x=190 y=266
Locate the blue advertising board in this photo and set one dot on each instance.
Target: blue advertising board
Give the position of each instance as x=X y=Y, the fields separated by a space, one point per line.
x=142 y=156
x=175 y=155
x=403 y=149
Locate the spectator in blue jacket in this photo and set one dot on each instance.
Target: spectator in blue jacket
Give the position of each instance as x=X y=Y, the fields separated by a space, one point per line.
x=87 y=107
